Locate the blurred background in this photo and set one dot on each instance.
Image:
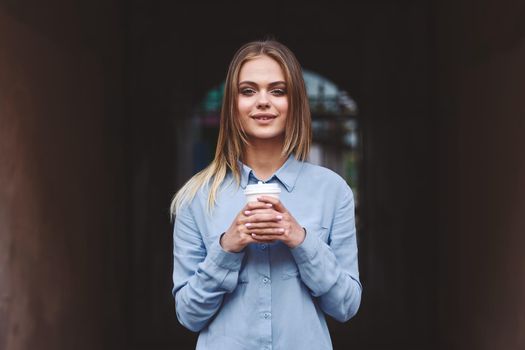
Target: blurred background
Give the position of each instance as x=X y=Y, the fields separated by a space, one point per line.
x=107 y=107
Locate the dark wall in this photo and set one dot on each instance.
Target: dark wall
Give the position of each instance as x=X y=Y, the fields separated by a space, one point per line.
x=61 y=171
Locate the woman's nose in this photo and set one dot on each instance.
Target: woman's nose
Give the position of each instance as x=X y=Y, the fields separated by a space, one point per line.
x=262 y=101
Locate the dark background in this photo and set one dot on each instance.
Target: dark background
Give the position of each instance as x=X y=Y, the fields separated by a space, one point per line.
x=95 y=94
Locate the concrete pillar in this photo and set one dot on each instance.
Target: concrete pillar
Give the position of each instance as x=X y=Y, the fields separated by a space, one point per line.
x=60 y=176
x=481 y=86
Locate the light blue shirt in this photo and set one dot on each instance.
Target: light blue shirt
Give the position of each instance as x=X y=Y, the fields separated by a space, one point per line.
x=268 y=296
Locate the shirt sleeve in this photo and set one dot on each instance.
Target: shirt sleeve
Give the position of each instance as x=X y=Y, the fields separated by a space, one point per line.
x=201 y=276
x=330 y=270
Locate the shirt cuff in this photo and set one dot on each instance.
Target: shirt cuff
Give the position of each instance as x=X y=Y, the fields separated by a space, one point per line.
x=224 y=259
x=307 y=249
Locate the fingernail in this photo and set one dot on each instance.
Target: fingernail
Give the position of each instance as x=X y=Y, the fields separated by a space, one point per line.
x=281 y=230
x=247 y=212
x=254 y=235
x=279 y=217
x=268 y=204
x=248 y=224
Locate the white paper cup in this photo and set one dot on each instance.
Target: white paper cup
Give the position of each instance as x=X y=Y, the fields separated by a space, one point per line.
x=261 y=189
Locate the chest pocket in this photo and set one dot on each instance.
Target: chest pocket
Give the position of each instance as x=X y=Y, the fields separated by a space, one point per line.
x=290 y=269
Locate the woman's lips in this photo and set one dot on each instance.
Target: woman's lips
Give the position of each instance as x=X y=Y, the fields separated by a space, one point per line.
x=264 y=118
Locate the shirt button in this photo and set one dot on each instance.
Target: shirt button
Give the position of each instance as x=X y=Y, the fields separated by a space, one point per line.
x=263 y=246
x=267 y=315
x=266 y=280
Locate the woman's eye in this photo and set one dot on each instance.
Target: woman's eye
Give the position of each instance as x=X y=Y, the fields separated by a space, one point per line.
x=247 y=92
x=279 y=92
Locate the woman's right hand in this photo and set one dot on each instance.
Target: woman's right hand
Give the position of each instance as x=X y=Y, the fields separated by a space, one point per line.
x=238 y=236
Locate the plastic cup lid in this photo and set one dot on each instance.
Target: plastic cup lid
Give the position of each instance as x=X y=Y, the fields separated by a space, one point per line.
x=262 y=188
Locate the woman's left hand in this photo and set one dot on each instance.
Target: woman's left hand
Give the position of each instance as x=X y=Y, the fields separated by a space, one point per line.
x=292 y=234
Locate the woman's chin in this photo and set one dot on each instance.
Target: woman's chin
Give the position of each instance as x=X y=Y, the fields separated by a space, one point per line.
x=266 y=138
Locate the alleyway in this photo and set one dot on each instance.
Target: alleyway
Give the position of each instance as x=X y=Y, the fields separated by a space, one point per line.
x=96 y=102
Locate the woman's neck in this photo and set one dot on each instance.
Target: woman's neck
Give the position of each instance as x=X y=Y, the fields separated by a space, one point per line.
x=264 y=158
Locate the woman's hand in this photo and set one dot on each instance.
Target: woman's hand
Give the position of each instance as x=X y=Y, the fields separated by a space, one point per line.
x=264 y=221
x=273 y=223
x=238 y=236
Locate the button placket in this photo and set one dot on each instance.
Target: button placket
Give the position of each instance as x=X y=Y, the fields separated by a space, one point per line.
x=264 y=292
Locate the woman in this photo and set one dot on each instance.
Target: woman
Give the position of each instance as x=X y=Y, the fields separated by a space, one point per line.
x=264 y=274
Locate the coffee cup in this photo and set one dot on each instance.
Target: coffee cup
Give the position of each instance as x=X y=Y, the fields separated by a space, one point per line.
x=261 y=189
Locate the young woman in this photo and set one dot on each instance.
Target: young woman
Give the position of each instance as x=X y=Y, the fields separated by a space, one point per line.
x=263 y=275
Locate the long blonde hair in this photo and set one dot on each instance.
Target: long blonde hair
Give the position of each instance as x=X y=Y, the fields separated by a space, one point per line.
x=232 y=138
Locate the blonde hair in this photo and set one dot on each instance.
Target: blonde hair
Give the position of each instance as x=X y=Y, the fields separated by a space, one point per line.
x=232 y=138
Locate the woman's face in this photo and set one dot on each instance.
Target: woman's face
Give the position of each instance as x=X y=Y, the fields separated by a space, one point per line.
x=262 y=102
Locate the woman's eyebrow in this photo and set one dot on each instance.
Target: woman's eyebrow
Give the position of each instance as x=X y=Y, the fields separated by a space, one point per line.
x=277 y=83
x=247 y=82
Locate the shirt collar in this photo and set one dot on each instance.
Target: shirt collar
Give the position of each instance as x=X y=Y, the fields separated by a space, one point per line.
x=287 y=174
